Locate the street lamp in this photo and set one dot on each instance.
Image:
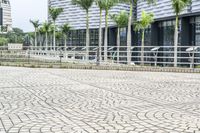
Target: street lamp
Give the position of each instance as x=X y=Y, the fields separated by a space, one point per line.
x=155 y=53
x=191 y=51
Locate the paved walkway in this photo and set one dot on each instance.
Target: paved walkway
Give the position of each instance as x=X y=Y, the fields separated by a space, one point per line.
x=89 y=101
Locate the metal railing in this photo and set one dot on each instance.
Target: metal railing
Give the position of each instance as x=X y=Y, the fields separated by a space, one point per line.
x=187 y=56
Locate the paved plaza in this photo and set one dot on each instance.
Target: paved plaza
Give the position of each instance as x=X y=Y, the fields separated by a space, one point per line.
x=96 y=101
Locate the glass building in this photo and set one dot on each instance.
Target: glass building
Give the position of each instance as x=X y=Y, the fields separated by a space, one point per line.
x=76 y=18
x=163 y=27
x=162 y=30
x=160 y=33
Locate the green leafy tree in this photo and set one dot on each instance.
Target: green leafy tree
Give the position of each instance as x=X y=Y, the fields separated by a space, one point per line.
x=178 y=7
x=36 y=25
x=85 y=5
x=65 y=30
x=107 y=5
x=146 y=20
x=18 y=31
x=121 y=20
x=54 y=13
x=3 y=41
x=15 y=36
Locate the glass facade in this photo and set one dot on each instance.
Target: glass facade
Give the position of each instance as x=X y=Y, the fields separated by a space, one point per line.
x=166 y=33
x=166 y=38
x=147 y=39
x=78 y=37
x=147 y=42
x=123 y=37
x=195 y=31
x=123 y=43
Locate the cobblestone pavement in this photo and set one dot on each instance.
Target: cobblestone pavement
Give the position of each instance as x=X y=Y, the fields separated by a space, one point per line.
x=91 y=101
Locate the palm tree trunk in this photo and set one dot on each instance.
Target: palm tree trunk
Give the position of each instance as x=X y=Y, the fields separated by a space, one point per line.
x=35 y=37
x=106 y=38
x=100 y=35
x=118 y=43
x=46 y=41
x=87 y=36
x=54 y=37
x=176 y=41
x=51 y=41
x=40 y=41
x=65 y=42
x=142 y=49
x=129 y=34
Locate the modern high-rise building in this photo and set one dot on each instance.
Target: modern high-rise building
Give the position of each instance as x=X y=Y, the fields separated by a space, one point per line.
x=160 y=33
x=5 y=15
x=162 y=30
x=76 y=18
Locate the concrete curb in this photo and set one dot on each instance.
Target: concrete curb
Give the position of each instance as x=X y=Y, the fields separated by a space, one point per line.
x=106 y=67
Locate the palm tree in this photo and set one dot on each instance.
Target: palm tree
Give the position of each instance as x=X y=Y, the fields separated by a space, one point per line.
x=65 y=30
x=100 y=5
x=146 y=20
x=122 y=21
x=132 y=4
x=107 y=5
x=54 y=13
x=41 y=36
x=58 y=37
x=51 y=33
x=178 y=7
x=85 y=5
x=46 y=28
x=36 y=25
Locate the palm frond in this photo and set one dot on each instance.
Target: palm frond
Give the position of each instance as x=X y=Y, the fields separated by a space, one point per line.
x=146 y=20
x=180 y=5
x=84 y=4
x=55 y=12
x=65 y=28
x=120 y=19
x=35 y=23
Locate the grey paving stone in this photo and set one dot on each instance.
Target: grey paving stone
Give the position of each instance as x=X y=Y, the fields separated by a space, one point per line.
x=96 y=101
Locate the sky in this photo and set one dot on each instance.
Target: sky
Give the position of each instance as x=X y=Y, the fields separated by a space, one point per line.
x=24 y=10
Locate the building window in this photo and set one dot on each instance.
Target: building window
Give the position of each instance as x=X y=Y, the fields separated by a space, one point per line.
x=147 y=39
x=195 y=31
x=123 y=37
x=78 y=37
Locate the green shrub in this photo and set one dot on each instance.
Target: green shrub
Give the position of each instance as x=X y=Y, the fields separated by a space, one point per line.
x=3 y=41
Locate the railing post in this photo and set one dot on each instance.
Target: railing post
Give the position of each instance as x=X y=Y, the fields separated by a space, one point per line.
x=192 y=60
x=87 y=53
x=98 y=56
x=28 y=55
x=128 y=55
x=105 y=53
x=118 y=55
x=156 y=55
x=175 y=56
x=142 y=55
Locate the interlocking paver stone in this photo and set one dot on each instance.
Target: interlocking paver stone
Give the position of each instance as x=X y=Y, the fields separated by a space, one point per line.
x=96 y=101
